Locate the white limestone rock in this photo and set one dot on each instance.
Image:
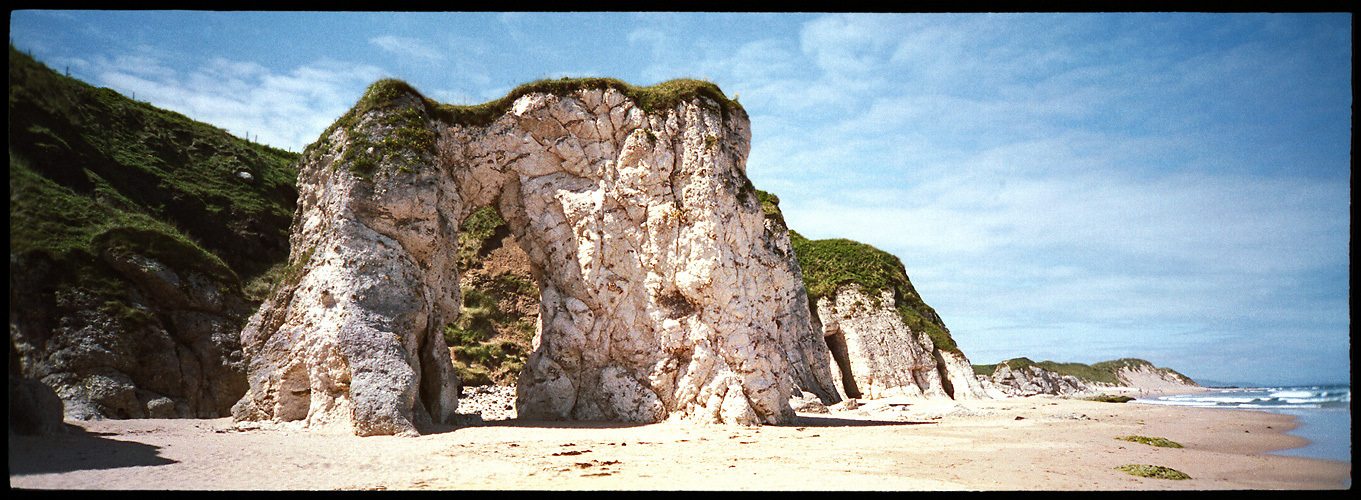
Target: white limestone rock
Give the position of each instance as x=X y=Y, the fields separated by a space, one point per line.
x=878 y=356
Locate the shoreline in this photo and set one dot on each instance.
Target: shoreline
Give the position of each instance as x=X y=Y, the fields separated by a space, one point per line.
x=1327 y=430
x=1027 y=443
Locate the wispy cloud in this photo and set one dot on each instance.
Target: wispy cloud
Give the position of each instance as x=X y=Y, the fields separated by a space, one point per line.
x=408 y=47
x=286 y=109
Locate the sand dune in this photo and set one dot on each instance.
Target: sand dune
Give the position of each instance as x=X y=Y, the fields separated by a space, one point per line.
x=1034 y=443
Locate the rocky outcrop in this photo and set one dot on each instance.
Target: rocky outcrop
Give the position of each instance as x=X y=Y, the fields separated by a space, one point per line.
x=664 y=292
x=882 y=339
x=170 y=351
x=878 y=355
x=1028 y=380
x=958 y=375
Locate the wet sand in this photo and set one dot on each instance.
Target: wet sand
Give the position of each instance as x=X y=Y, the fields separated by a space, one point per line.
x=1032 y=443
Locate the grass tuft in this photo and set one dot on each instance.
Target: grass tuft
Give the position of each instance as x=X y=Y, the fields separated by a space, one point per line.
x=1106 y=398
x=1153 y=471
x=1151 y=441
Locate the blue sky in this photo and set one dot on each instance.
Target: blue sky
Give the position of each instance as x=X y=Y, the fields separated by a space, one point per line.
x=1070 y=187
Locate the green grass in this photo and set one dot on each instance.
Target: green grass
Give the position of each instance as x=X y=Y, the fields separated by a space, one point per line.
x=489 y=345
x=474 y=233
x=651 y=99
x=1103 y=372
x=984 y=370
x=1151 y=441
x=91 y=169
x=1153 y=471
x=1085 y=373
x=831 y=263
x=770 y=205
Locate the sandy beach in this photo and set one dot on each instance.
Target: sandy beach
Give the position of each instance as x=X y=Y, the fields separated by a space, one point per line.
x=1032 y=443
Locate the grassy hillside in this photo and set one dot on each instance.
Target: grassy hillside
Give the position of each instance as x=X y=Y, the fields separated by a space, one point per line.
x=92 y=171
x=1104 y=372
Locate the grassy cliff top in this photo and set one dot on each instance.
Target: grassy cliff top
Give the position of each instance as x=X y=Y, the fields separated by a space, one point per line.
x=413 y=135
x=651 y=99
x=1115 y=366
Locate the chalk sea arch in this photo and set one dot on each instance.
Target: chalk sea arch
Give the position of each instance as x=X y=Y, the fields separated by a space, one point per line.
x=666 y=294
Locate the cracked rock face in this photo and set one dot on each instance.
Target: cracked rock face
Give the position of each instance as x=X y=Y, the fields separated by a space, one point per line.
x=878 y=356
x=665 y=294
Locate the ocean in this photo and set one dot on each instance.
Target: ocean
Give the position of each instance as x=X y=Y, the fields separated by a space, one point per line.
x=1324 y=413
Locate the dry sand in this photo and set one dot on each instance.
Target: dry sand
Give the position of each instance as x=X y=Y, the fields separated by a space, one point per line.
x=1032 y=443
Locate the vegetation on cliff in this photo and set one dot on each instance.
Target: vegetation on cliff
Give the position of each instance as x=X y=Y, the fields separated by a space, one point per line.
x=494 y=331
x=830 y=263
x=139 y=239
x=651 y=99
x=92 y=171
x=1134 y=364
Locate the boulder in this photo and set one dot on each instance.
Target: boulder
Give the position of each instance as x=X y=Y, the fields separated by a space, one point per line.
x=34 y=408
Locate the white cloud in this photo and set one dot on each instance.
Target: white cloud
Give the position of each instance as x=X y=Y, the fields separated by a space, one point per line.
x=409 y=47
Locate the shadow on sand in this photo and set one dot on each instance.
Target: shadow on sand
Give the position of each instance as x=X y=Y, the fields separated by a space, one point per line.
x=78 y=449
x=811 y=421
x=799 y=421
x=536 y=424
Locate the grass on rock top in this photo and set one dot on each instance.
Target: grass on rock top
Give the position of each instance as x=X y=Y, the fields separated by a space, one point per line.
x=411 y=133
x=1103 y=372
x=651 y=99
x=828 y=264
x=1117 y=365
